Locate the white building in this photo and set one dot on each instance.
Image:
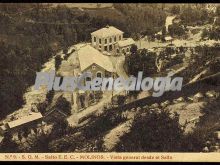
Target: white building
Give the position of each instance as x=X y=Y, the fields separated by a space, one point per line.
x=110 y=41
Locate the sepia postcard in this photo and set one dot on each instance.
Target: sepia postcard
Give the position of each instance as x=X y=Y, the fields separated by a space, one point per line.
x=135 y=82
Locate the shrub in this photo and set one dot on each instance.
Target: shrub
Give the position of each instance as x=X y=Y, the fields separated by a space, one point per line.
x=154 y=132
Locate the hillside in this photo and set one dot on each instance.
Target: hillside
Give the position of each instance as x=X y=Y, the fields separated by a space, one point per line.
x=41 y=37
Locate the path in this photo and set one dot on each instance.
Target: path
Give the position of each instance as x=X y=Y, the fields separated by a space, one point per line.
x=113 y=137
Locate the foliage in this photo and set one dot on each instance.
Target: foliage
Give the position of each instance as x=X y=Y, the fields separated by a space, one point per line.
x=50 y=95
x=121 y=99
x=103 y=123
x=213 y=34
x=39 y=144
x=30 y=38
x=59 y=129
x=153 y=132
x=8 y=145
x=175 y=9
x=63 y=105
x=140 y=60
x=193 y=16
x=58 y=61
x=218 y=10
x=176 y=30
x=135 y=16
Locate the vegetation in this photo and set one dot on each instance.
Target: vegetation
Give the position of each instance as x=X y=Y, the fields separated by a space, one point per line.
x=176 y=30
x=203 y=58
x=140 y=60
x=63 y=105
x=152 y=133
x=30 y=38
x=175 y=9
x=213 y=34
x=8 y=145
x=191 y=15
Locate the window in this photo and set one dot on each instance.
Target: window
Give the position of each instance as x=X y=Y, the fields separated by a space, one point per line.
x=100 y=41
x=93 y=67
x=127 y=49
x=110 y=40
x=99 y=74
x=110 y=47
x=117 y=50
x=100 y=47
x=123 y=50
x=94 y=39
x=88 y=79
x=119 y=37
x=105 y=48
x=105 y=41
x=115 y=38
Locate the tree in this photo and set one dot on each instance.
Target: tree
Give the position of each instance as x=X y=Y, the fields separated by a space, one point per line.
x=8 y=145
x=164 y=31
x=133 y=49
x=42 y=107
x=121 y=100
x=176 y=30
x=63 y=105
x=175 y=9
x=57 y=62
x=40 y=143
x=59 y=129
x=153 y=132
x=49 y=96
x=218 y=10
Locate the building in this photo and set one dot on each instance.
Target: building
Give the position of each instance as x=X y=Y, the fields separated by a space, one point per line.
x=94 y=57
x=17 y=125
x=105 y=39
x=124 y=46
x=92 y=60
x=108 y=39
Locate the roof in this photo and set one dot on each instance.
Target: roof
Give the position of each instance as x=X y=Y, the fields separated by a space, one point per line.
x=107 y=31
x=126 y=42
x=3 y=128
x=88 y=55
x=25 y=119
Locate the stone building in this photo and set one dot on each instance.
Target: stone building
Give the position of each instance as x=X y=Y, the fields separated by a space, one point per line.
x=110 y=41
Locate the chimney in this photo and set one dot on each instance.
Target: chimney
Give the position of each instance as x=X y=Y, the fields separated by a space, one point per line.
x=107 y=26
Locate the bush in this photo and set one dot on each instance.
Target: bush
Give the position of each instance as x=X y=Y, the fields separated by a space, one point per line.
x=176 y=30
x=175 y=9
x=58 y=61
x=154 y=132
x=63 y=105
x=7 y=145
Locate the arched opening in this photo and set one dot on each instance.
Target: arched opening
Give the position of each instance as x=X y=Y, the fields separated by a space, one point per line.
x=99 y=74
x=88 y=79
x=128 y=49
